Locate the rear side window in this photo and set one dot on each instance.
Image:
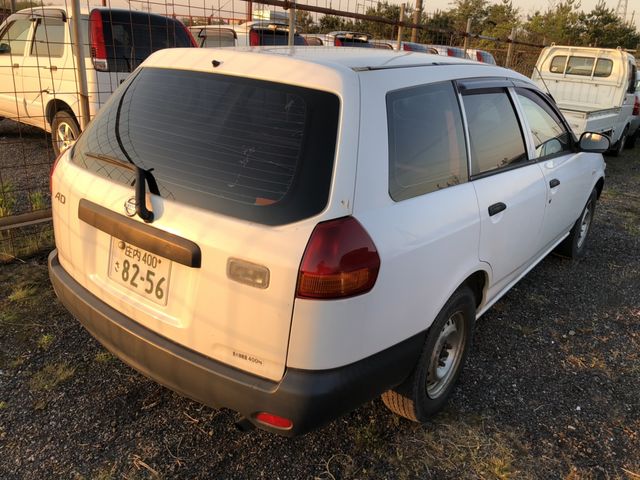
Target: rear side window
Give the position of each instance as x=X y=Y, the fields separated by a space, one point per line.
x=48 y=40
x=494 y=131
x=426 y=141
x=130 y=37
x=251 y=149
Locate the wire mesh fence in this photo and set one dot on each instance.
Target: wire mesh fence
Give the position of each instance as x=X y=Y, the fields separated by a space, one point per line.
x=50 y=89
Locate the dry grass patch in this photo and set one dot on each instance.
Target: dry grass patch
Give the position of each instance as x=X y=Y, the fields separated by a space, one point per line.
x=22 y=292
x=45 y=341
x=50 y=377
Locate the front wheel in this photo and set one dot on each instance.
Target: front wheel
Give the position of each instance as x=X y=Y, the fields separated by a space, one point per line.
x=574 y=245
x=64 y=131
x=425 y=391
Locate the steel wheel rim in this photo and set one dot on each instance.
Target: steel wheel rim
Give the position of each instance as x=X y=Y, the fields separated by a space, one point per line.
x=446 y=355
x=64 y=135
x=585 y=223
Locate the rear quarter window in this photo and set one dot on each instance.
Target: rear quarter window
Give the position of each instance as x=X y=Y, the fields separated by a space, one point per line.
x=426 y=140
x=251 y=149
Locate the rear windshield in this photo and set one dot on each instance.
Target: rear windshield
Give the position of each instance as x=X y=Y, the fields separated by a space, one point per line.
x=251 y=149
x=220 y=37
x=354 y=42
x=130 y=37
x=271 y=37
x=583 y=66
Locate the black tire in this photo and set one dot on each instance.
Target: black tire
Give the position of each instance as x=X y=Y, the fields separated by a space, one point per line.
x=574 y=245
x=419 y=397
x=631 y=141
x=618 y=148
x=64 y=130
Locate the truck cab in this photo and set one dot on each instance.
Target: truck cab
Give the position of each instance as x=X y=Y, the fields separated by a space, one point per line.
x=594 y=88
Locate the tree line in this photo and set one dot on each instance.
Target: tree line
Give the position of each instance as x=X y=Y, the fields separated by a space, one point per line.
x=563 y=22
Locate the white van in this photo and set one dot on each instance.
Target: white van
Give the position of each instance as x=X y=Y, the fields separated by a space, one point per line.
x=312 y=227
x=38 y=83
x=594 y=88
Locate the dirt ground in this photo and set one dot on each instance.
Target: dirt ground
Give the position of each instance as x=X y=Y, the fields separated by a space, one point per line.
x=551 y=388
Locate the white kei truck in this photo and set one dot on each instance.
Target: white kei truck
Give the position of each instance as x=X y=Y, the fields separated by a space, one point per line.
x=593 y=87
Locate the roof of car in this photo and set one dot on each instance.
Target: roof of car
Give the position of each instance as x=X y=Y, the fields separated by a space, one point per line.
x=351 y=58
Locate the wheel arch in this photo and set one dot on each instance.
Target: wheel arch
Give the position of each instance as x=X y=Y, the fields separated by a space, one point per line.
x=56 y=105
x=477 y=282
x=599 y=186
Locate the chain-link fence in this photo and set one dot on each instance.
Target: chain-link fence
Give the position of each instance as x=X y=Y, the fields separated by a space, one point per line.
x=49 y=89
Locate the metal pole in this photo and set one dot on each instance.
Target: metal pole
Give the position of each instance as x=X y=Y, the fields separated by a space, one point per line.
x=402 y=7
x=292 y=23
x=13 y=6
x=417 y=18
x=512 y=37
x=466 y=38
x=249 y=10
x=81 y=72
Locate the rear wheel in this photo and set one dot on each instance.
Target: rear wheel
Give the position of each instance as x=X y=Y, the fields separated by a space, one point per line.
x=619 y=147
x=575 y=244
x=426 y=390
x=64 y=131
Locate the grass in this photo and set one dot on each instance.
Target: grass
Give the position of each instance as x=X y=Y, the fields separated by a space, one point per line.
x=7 y=199
x=3 y=405
x=103 y=357
x=45 y=341
x=50 y=377
x=22 y=292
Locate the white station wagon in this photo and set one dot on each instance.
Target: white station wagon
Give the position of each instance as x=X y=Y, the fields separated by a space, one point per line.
x=291 y=232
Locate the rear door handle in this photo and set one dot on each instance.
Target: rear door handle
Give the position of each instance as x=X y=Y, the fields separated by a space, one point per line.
x=496 y=208
x=554 y=183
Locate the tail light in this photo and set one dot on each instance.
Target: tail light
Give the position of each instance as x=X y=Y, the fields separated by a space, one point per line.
x=340 y=261
x=189 y=35
x=274 y=420
x=337 y=42
x=479 y=57
x=451 y=52
x=407 y=47
x=636 y=107
x=96 y=40
x=254 y=38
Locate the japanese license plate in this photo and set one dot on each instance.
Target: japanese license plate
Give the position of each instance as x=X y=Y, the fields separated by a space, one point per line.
x=143 y=272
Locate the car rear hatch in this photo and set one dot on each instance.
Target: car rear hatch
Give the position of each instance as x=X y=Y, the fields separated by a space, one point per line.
x=273 y=34
x=236 y=173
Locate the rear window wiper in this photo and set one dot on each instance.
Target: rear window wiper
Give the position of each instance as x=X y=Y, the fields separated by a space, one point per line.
x=143 y=178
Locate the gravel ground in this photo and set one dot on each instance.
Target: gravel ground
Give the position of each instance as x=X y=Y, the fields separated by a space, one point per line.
x=551 y=388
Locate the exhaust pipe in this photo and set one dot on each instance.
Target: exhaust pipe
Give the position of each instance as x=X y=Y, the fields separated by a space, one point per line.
x=244 y=425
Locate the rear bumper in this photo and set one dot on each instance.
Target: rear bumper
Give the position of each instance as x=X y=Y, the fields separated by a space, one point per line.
x=309 y=398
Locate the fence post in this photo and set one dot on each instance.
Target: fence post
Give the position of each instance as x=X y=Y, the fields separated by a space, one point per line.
x=402 y=7
x=292 y=23
x=507 y=62
x=13 y=6
x=417 y=17
x=81 y=73
x=466 y=38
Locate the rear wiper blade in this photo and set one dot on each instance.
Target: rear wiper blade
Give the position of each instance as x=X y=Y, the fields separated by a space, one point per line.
x=143 y=177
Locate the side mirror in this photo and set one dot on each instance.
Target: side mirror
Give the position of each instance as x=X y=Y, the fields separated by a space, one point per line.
x=594 y=142
x=4 y=48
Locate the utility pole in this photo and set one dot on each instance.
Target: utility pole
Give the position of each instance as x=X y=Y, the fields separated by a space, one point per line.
x=417 y=17
x=466 y=37
x=292 y=23
x=402 y=7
